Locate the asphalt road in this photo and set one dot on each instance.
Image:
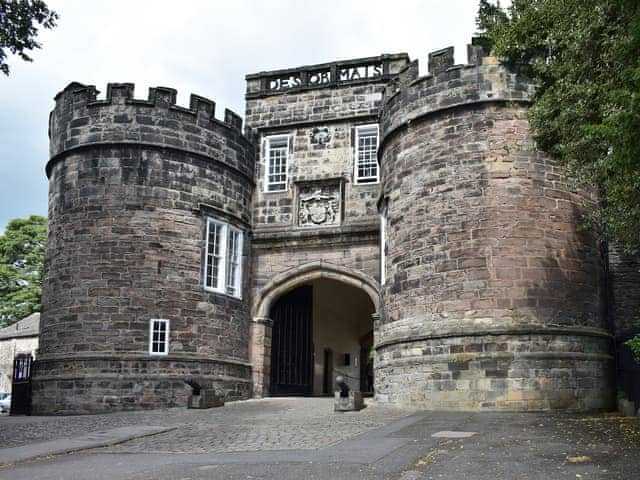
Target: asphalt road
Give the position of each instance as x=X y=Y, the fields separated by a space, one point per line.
x=303 y=439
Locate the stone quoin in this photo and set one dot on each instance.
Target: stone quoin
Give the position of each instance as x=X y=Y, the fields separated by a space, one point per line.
x=399 y=231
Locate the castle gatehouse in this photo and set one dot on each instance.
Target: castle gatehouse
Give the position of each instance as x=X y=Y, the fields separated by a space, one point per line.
x=398 y=230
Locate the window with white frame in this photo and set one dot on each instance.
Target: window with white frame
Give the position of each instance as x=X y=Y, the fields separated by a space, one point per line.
x=158 y=336
x=223 y=258
x=383 y=244
x=366 y=154
x=276 y=160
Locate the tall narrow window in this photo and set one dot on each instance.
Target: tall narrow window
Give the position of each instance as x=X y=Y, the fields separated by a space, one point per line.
x=234 y=253
x=158 y=336
x=383 y=243
x=215 y=252
x=366 y=154
x=223 y=258
x=277 y=156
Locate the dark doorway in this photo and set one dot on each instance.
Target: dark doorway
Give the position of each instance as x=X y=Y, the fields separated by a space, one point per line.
x=366 y=363
x=21 y=387
x=292 y=343
x=327 y=372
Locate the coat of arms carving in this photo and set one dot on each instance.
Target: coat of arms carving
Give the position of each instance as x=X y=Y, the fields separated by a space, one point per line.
x=319 y=206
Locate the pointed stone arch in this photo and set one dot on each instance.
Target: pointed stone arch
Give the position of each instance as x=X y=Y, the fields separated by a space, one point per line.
x=294 y=277
x=285 y=282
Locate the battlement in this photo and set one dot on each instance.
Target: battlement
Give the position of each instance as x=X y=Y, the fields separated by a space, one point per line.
x=79 y=95
x=81 y=119
x=409 y=96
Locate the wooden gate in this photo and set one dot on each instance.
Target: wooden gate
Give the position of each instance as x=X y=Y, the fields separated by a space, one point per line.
x=21 y=389
x=292 y=343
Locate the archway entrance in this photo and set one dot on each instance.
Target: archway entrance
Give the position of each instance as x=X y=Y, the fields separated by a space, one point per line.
x=321 y=329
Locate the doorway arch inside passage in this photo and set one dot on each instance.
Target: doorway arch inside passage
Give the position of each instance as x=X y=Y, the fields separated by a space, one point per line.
x=312 y=324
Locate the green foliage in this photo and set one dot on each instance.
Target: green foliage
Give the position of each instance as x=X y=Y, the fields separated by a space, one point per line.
x=21 y=267
x=634 y=345
x=19 y=20
x=584 y=59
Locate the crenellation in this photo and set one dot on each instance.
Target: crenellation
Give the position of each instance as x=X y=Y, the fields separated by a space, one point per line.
x=120 y=92
x=161 y=96
x=440 y=61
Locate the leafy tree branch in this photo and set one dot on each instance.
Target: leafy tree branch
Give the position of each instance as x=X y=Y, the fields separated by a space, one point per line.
x=19 y=20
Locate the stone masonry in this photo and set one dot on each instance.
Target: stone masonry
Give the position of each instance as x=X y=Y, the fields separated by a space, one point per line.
x=320 y=120
x=486 y=293
x=131 y=182
x=494 y=295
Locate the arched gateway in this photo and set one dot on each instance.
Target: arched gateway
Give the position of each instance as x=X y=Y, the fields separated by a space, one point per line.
x=311 y=323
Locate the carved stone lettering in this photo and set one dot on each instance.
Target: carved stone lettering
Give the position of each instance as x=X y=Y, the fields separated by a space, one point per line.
x=359 y=72
x=319 y=78
x=285 y=83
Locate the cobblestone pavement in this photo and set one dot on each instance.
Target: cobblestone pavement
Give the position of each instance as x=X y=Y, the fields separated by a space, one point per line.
x=261 y=425
x=293 y=438
x=265 y=424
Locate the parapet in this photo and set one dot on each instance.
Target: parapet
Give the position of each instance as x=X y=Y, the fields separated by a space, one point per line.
x=348 y=72
x=80 y=119
x=482 y=79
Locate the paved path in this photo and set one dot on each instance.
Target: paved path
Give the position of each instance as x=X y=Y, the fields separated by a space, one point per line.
x=303 y=439
x=263 y=425
x=60 y=446
x=266 y=424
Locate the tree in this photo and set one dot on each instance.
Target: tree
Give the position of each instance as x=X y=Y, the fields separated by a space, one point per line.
x=19 y=20
x=583 y=57
x=634 y=346
x=21 y=267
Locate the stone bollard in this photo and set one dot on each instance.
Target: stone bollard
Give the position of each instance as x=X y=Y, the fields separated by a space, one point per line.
x=345 y=399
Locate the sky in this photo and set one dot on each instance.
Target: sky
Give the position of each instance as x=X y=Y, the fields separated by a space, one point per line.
x=196 y=46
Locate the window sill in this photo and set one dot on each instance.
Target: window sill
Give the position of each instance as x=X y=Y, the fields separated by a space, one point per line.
x=221 y=292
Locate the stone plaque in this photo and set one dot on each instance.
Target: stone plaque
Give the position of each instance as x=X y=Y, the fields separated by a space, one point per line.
x=320 y=136
x=319 y=205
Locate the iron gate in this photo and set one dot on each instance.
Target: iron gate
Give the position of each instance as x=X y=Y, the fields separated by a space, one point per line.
x=292 y=343
x=628 y=373
x=21 y=389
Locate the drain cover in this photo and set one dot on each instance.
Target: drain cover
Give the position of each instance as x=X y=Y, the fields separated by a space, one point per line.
x=451 y=434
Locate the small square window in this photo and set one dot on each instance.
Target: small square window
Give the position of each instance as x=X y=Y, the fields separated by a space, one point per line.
x=158 y=336
x=366 y=154
x=276 y=163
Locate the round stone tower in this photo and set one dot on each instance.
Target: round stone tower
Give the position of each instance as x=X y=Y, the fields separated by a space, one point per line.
x=137 y=189
x=492 y=298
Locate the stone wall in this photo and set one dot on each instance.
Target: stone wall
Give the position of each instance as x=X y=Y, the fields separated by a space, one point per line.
x=493 y=292
x=332 y=109
x=319 y=107
x=624 y=269
x=131 y=184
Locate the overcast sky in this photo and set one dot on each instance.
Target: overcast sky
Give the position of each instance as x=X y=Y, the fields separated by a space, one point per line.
x=202 y=47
